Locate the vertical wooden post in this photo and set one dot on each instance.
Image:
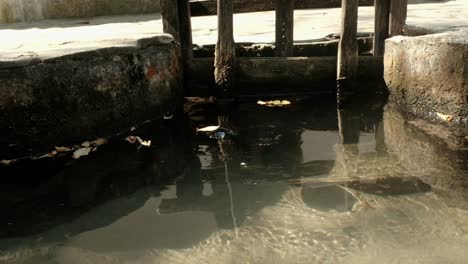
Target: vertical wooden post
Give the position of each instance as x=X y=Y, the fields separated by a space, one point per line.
x=185 y=22
x=398 y=12
x=225 y=53
x=382 y=18
x=284 y=28
x=348 y=46
x=170 y=18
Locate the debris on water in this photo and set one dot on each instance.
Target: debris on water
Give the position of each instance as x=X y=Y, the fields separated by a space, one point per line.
x=275 y=103
x=447 y=118
x=137 y=139
x=81 y=152
x=99 y=142
x=6 y=162
x=168 y=116
x=218 y=135
x=63 y=149
x=209 y=129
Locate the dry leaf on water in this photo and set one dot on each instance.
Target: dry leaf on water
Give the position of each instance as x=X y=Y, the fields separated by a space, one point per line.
x=81 y=152
x=135 y=139
x=63 y=149
x=208 y=129
x=275 y=103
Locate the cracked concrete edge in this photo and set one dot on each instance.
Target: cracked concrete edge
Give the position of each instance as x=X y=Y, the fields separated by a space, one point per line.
x=104 y=48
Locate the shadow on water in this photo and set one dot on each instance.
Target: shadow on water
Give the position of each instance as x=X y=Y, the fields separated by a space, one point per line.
x=188 y=185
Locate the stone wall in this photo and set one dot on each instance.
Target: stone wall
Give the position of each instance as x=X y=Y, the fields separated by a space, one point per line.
x=80 y=95
x=32 y=10
x=428 y=76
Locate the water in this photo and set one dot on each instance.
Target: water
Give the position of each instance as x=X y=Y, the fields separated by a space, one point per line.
x=281 y=189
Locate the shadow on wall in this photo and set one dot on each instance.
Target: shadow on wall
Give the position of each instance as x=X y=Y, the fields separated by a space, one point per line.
x=32 y=10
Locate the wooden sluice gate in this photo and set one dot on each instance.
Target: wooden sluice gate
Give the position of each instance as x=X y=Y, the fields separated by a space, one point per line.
x=226 y=71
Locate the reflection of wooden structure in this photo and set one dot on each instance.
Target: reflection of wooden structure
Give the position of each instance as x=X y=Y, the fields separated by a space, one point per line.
x=391 y=12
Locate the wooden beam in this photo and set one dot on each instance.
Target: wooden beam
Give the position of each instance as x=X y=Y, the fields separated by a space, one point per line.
x=348 y=46
x=170 y=18
x=398 y=12
x=284 y=28
x=225 y=52
x=208 y=7
x=186 y=41
x=269 y=76
x=382 y=19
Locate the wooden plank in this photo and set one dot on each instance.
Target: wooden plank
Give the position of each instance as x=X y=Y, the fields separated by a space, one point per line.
x=382 y=20
x=170 y=18
x=225 y=52
x=208 y=7
x=284 y=28
x=186 y=41
x=281 y=75
x=348 y=46
x=398 y=12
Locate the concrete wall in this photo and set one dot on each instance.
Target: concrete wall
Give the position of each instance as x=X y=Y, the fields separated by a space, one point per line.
x=66 y=99
x=32 y=10
x=428 y=75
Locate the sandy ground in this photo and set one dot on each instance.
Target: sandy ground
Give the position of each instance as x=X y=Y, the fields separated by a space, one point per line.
x=49 y=35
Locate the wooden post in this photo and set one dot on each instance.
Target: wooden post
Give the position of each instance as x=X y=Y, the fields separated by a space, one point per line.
x=225 y=53
x=186 y=41
x=382 y=18
x=170 y=18
x=348 y=46
x=284 y=28
x=398 y=12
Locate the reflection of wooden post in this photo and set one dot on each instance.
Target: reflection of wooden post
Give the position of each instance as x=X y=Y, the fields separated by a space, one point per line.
x=398 y=12
x=348 y=46
x=186 y=42
x=225 y=48
x=284 y=28
x=382 y=16
x=349 y=124
x=170 y=18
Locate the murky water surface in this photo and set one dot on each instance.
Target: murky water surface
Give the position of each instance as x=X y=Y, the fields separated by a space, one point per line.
x=305 y=183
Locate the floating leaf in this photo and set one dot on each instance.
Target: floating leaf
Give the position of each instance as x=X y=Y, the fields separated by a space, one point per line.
x=146 y=143
x=275 y=103
x=208 y=129
x=81 y=152
x=99 y=142
x=136 y=139
x=6 y=162
x=62 y=149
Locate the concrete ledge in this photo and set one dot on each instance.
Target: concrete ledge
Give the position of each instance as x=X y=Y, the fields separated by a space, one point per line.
x=65 y=96
x=428 y=76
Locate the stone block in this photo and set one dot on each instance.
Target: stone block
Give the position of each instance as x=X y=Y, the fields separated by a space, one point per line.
x=61 y=98
x=428 y=76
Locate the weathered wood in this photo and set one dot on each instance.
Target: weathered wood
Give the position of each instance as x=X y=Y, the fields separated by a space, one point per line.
x=208 y=8
x=281 y=75
x=284 y=28
x=382 y=20
x=348 y=46
x=398 y=12
x=170 y=18
x=225 y=52
x=186 y=41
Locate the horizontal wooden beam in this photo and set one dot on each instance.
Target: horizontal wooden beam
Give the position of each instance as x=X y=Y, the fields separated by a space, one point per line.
x=208 y=7
x=269 y=76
